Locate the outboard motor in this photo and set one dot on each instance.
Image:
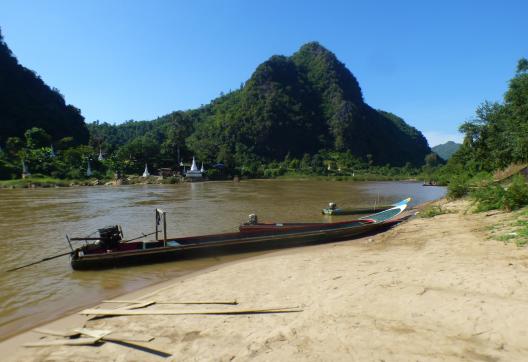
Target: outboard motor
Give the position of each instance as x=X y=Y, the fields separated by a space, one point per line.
x=109 y=236
x=252 y=219
x=332 y=205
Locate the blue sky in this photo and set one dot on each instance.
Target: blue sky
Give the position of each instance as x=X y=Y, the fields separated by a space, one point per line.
x=430 y=62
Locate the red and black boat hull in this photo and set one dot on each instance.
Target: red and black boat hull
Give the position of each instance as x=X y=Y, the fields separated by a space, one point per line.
x=212 y=245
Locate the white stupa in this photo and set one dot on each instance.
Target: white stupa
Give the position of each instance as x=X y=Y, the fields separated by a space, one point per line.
x=25 y=170
x=194 y=173
x=202 y=170
x=100 y=158
x=146 y=173
x=89 y=172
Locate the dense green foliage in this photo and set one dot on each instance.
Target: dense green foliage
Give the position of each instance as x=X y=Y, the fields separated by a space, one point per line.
x=497 y=138
x=159 y=143
x=65 y=161
x=27 y=102
x=458 y=187
x=446 y=150
x=303 y=104
x=495 y=196
x=292 y=107
x=432 y=211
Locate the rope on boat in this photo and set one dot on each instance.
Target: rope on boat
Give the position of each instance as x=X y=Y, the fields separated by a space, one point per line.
x=69 y=252
x=40 y=261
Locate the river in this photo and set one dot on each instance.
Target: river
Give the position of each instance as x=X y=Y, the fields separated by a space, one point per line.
x=34 y=222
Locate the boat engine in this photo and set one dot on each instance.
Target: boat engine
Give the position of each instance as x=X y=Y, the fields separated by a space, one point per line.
x=252 y=219
x=109 y=236
x=332 y=205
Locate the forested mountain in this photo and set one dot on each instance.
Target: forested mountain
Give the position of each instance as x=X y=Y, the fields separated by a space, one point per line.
x=26 y=102
x=446 y=150
x=290 y=107
x=303 y=104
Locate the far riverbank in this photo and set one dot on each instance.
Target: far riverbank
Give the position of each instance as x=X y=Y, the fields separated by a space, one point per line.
x=50 y=182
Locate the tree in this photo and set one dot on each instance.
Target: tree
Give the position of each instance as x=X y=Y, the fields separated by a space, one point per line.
x=497 y=135
x=37 y=138
x=226 y=157
x=370 y=159
x=174 y=147
x=431 y=160
x=317 y=163
x=14 y=145
x=65 y=143
x=522 y=65
x=306 y=161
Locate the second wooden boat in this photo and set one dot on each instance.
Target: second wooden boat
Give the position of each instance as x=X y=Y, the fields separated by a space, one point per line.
x=333 y=210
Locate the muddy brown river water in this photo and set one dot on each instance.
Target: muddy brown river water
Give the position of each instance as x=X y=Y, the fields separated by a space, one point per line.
x=33 y=224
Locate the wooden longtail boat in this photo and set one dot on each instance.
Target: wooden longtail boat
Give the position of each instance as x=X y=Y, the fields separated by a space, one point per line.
x=110 y=251
x=333 y=210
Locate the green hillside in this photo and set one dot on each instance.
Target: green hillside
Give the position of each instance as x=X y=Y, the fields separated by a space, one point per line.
x=291 y=106
x=26 y=102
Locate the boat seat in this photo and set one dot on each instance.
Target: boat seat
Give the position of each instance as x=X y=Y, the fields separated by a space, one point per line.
x=152 y=244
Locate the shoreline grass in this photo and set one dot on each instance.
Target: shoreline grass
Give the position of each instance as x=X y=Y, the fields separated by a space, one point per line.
x=34 y=182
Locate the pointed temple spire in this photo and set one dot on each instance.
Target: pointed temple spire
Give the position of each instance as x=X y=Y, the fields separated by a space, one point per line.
x=193 y=173
x=193 y=166
x=146 y=172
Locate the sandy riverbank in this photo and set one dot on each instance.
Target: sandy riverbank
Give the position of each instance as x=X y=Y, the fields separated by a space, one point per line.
x=429 y=289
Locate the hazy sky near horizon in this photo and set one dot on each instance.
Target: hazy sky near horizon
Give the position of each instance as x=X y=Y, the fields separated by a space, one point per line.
x=430 y=62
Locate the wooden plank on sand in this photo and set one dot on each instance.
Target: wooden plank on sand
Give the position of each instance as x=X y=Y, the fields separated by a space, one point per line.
x=64 y=342
x=138 y=305
x=69 y=334
x=131 y=338
x=125 y=312
x=94 y=333
x=124 y=342
x=105 y=334
x=231 y=302
x=50 y=332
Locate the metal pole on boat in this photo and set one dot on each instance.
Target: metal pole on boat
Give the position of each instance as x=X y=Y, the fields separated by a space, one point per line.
x=69 y=242
x=156 y=222
x=164 y=229
x=161 y=214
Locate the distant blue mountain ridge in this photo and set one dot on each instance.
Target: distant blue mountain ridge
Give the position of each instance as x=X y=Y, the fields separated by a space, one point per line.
x=446 y=150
